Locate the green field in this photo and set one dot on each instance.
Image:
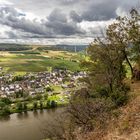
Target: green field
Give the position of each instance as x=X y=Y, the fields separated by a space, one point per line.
x=32 y=61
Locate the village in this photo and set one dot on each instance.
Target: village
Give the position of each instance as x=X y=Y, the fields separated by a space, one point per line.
x=31 y=84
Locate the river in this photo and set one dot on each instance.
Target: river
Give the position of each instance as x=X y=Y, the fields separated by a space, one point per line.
x=26 y=126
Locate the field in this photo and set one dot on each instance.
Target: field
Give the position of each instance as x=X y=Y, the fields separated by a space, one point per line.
x=35 y=60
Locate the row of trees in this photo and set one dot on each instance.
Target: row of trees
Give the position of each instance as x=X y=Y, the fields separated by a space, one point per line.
x=4 y=106
x=36 y=105
x=36 y=102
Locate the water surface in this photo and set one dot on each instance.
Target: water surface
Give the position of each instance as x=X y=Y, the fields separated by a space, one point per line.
x=26 y=126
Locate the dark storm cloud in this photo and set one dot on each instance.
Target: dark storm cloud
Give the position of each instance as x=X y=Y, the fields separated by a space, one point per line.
x=11 y=34
x=69 y=2
x=96 y=11
x=56 y=18
x=75 y=17
x=56 y=24
x=11 y=17
x=102 y=11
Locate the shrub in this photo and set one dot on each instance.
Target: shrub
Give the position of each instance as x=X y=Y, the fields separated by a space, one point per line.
x=53 y=104
x=35 y=105
x=89 y=113
x=6 y=100
x=19 y=106
x=29 y=98
x=41 y=105
x=119 y=97
x=48 y=103
x=6 y=110
x=49 y=89
x=38 y=97
x=46 y=96
x=24 y=106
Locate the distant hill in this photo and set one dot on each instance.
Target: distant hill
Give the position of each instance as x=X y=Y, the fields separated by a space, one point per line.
x=21 y=47
x=14 y=47
x=70 y=48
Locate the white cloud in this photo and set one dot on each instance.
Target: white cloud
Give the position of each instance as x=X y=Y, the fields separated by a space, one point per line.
x=95 y=28
x=51 y=41
x=33 y=20
x=5 y=2
x=3 y=30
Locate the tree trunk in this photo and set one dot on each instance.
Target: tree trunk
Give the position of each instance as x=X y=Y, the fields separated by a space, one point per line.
x=127 y=60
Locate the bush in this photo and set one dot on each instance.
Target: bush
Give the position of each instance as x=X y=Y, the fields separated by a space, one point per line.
x=24 y=106
x=53 y=104
x=89 y=113
x=48 y=104
x=49 y=89
x=101 y=92
x=6 y=101
x=2 y=105
x=35 y=105
x=38 y=97
x=19 y=106
x=6 y=110
x=119 y=97
x=46 y=96
x=41 y=105
x=29 y=98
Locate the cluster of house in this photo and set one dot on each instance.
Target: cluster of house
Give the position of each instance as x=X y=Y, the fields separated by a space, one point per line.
x=33 y=83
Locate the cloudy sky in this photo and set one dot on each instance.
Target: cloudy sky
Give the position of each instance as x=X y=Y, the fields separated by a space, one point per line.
x=58 y=21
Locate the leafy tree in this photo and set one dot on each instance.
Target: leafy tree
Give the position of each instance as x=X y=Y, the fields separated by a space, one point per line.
x=6 y=100
x=18 y=78
x=125 y=33
x=46 y=96
x=53 y=104
x=49 y=89
x=133 y=31
x=48 y=103
x=29 y=98
x=19 y=94
x=2 y=105
x=38 y=97
x=41 y=104
x=35 y=105
x=25 y=95
x=24 y=106
x=19 y=106
x=6 y=110
x=105 y=67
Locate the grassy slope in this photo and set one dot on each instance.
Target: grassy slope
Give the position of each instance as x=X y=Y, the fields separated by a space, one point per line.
x=127 y=126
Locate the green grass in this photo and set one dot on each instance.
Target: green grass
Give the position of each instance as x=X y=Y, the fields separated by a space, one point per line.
x=35 y=63
x=60 y=99
x=24 y=52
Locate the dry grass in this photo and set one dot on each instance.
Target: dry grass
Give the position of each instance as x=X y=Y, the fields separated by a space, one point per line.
x=126 y=127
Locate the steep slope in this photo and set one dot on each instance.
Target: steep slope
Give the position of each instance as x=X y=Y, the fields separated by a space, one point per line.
x=127 y=127
x=124 y=127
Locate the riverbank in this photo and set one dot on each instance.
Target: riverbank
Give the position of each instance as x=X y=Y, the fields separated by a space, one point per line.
x=38 y=102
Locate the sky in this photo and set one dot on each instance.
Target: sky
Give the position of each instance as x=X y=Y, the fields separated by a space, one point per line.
x=58 y=21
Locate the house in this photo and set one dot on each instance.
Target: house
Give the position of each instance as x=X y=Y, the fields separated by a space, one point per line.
x=1 y=68
x=40 y=90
